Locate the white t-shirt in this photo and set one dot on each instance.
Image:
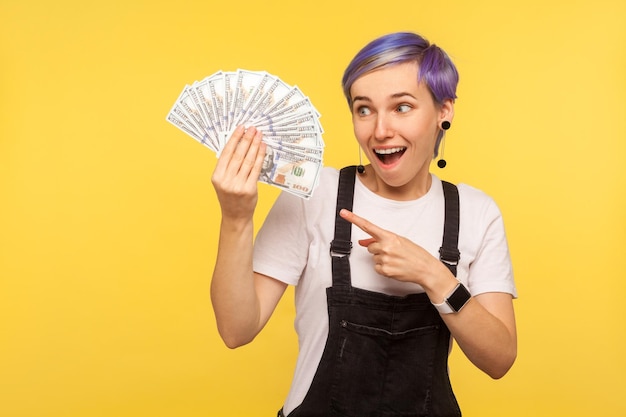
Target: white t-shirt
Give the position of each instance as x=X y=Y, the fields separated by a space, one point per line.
x=293 y=247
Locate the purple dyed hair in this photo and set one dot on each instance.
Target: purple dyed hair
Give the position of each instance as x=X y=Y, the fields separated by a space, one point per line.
x=435 y=67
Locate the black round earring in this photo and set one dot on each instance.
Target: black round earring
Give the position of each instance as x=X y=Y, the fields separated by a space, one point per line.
x=360 y=168
x=441 y=163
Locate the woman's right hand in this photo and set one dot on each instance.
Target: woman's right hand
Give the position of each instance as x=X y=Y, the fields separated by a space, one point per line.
x=237 y=172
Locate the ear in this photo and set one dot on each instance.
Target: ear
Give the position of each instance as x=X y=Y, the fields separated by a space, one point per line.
x=446 y=111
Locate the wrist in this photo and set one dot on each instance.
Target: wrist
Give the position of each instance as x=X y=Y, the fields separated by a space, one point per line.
x=455 y=300
x=441 y=282
x=237 y=225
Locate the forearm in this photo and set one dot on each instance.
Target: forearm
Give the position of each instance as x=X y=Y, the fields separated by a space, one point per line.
x=489 y=342
x=484 y=329
x=233 y=294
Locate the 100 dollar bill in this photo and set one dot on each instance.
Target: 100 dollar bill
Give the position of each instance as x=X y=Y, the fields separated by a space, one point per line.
x=294 y=172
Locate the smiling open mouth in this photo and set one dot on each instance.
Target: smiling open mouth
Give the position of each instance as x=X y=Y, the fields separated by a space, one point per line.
x=389 y=156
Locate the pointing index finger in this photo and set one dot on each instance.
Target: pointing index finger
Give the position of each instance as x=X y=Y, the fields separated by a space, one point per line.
x=363 y=224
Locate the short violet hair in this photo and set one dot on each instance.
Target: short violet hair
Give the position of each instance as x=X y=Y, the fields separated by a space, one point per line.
x=435 y=67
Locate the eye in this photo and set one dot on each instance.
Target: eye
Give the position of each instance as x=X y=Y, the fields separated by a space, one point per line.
x=403 y=108
x=363 y=111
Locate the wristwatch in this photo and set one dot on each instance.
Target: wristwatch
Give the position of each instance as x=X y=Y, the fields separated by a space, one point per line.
x=455 y=301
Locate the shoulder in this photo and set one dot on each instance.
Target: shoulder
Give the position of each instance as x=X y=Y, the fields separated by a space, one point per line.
x=328 y=176
x=471 y=198
x=326 y=187
x=324 y=196
x=478 y=210
x=480 y=216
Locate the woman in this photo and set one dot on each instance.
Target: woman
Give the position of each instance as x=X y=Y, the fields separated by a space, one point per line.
x=375 y=309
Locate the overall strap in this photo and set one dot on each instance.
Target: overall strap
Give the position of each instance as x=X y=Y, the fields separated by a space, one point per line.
x=449 y=252
x=341 y=246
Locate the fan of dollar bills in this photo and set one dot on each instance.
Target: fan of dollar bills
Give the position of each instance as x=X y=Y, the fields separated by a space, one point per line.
x=209 y=110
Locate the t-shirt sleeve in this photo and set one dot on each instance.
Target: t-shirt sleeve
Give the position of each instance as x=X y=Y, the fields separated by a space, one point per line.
x=281 y=245
x=491 y=269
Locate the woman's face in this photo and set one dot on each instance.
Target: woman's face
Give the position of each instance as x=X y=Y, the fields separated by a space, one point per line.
x=396 y=123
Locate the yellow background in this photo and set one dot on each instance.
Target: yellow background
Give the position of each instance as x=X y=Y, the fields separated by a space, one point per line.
x=108 y=221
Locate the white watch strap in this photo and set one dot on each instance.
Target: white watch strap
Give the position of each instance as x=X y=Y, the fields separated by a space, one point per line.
x=445 y=308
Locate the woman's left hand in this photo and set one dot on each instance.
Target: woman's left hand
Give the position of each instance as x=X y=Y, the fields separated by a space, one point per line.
x=396 y=256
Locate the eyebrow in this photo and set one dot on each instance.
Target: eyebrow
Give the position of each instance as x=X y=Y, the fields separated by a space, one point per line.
x=395 y=95
x=361 y=98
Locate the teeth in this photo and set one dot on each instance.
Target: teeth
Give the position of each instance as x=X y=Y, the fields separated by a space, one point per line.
x=388 y=151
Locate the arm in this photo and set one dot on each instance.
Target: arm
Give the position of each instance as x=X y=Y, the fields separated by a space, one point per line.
x=485 y=331
x=484 y=328
x=242 y=300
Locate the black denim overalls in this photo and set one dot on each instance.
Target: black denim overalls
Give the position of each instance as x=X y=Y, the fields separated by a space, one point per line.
x=385 y=355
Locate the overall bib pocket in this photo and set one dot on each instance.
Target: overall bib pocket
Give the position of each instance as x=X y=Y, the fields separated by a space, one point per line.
x=379 y=369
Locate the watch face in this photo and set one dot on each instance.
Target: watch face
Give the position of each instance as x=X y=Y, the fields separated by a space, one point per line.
x=459 y=298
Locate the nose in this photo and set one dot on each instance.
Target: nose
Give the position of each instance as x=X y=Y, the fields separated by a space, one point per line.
x=383 y=129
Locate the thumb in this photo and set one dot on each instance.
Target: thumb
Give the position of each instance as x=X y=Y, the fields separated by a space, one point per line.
x=366 y=242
